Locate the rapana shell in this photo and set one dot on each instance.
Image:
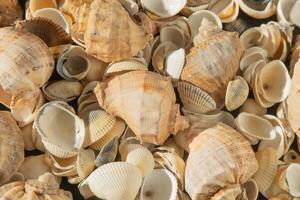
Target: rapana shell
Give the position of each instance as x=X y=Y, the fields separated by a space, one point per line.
x=194 y=99
x=222 y=149
x=267 y=168
x=151 y=111
x=10 y=11
x=213 y=49
x=163 y=8
x=60 y=127
x=12 y=147
x=251 y=106
x=71 y=6
x=35 y=5
x=116 y=180
x=258 y=9
x=108 y=153
x=125 y=38
x=254 y=127
x=159 y=184
x=142 y=158
x=236 y=93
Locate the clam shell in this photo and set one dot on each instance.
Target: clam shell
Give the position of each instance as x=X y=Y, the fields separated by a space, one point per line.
x=252 y=55
x=111 y=181
x=258 y=9
x=159 y=55
x=292 y=173
x=12 y=147
x=108 y=153
x=174 y=63
x=58 y=151
x=142 y=158
x=159 y=184
x=236 y=93
x=62 y=90
x=267 y=162
x=35 y=5
x=254 y=128
x=195 y=99
x=251 y=106
x=163 y=8
x=10 y=11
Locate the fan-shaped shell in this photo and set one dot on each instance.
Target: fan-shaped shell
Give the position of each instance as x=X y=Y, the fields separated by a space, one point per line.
x=10 y=11
x=125 y=38
x=222 y=149
x=151 y=111
x=12 y=147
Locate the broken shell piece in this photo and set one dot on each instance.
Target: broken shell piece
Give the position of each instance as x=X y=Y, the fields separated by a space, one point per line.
x=62 y=90
x=236 y=93
x=10 y=11
x=258 y=9
x=254 y=128
x=116 y=180
x=195 y=99
x=159 y=55
x=174 y=63
x=59 y=126
x=108 y=153
x=163 y=8
x=142 y=158
x=267 y=162
x=251 y=106
x=291 y=157
x=159 y=184
x=35 y=5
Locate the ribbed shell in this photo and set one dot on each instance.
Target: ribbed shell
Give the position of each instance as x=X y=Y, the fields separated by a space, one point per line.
x=213 y=61
x=10 y=11
x=11 y=147
x=146 y=101
x=222 y=156
x=111 y=34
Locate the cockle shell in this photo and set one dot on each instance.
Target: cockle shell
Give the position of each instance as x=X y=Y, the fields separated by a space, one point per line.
x=258 y=9
x=12 y=147
x=111 y=181
x=163 y=8
x=213 y=48
x=251 y=106
x=205 y=154
x=10 y=11
x=139 y=87
x=159 y=184
x=122 y=32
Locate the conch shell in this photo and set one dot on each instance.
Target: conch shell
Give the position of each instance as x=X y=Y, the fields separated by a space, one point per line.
x=10 y=11
x=218 y=154
x=149 y=100
x=213 y=61
x=111 y=34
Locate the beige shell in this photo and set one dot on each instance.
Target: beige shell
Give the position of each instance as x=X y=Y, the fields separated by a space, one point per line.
x=122 y=32
x=174 y=63
x=228 y=193
x=251 y=106
x=12 y=147
x=163 y=8
x=258 y=10
x=10 y=11
x=292 y=173
x=27 y=137
x=144 y=85
x=35 y=5
x=251 y=189
x=194 y=99
x=111 y=181
x=219 y=148
x=228 y=11
x=217 y=49
x=291 y=157
x=108 y=153
x=236 y=93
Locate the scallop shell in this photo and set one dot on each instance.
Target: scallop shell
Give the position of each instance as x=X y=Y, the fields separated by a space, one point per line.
x=174 y=63
x=35 y=5
x=122 y=31
x=258 y=9
x=205 y=154
x=111 y=181
x=108 y=153
x=251 y=106
x=213 y=48
x=12 y=147
x=159 y=184
x=10 y=11
x=62 y=90
x=142 y=158
x=195 y=99
x=267 y=162
x=236 y=93
x=148 y=85
x=159 y=55
x=254 y=128
x=163 y=8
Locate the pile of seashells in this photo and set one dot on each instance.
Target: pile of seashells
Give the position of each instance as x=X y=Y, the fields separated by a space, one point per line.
x=149 y=100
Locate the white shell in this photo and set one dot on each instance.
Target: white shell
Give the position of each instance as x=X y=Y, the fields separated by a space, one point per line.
x=174 y=63
x=294 y=15
x=160 y=184
x=227 y=10
x=292 y=179
x=268 y=11
x=284 y=8
x=163 y=8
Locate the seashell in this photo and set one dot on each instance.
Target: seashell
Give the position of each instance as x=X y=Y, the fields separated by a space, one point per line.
x=55 y=16
x=239 y=25
x=111 y=181
x=159 y=55
x=62 y=90
x=60 y=127
x=253 y=55
x=34 y=166
x=258 y=9
x=126 y=147
x=27 y=137
x=195 y=99
x=147 y=85
x=251 y=71
x=35 y=5
x=291 y=157
x=230 y=192
x=70 y=7
x=251 y=189
x=102 y=46
x=58 y=151
x=159 y=184
x=219 y=46
x=205 y=155
x=108 y=153
x=228 y=11
x=142 y=158
x=10 y=11
x=12 y=147
x=292 y=173
x=236 y=93
x=170 y=143
x=251 y=106
x=294 y=15
x=196 y=20
x=254 y=128
x=174 y=63
x=85 y=163
x=163 y=8
x=116 y=131
x=267 y=162
x=37 y=140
